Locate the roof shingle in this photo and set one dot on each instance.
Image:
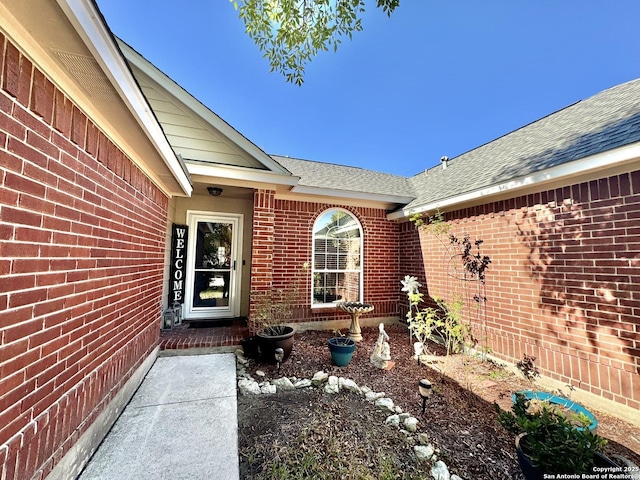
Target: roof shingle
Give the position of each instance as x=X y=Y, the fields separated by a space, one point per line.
x=608 y=120
x=344 y=178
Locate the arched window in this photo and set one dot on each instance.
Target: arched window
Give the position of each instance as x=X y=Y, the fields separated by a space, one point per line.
x=337 y=258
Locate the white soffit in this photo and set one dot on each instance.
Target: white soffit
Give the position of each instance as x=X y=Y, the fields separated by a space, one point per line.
x=88 y=22
x=241 y=174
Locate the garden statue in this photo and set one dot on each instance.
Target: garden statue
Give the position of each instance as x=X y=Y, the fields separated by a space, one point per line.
x=381 y=354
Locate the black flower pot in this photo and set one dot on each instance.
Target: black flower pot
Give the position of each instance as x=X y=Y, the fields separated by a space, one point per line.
x=250 y=347
x=531 y=472
x=270 y=339
x=341 y=349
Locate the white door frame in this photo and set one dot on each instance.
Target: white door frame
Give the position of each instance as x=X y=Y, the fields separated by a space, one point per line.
x=233 y=309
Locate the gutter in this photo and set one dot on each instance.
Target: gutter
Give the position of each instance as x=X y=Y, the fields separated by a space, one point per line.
x=89 y=23
x=328 y=192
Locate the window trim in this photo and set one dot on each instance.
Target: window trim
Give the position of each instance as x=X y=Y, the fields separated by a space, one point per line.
x=313 y=253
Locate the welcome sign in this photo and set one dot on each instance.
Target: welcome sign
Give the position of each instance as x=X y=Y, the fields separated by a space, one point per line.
x=178 y=263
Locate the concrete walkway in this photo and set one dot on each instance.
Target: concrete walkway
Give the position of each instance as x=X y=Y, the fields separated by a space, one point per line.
x=182 y=423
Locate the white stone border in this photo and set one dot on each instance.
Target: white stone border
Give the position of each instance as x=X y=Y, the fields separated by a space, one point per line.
x=331 y=384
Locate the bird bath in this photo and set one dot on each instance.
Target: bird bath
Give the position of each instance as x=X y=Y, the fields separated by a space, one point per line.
x=355 y=309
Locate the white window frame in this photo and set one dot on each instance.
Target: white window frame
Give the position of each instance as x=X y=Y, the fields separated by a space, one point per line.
x=313 y=257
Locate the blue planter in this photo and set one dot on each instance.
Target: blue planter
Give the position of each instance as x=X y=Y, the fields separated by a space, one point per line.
x=565 y=402
x=341 y=349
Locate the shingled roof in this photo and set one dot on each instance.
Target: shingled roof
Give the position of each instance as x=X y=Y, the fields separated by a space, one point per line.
x=330 y=176
x=605 y=121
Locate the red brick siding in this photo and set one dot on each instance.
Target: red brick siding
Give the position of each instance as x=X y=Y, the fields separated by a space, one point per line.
x=81 y=263
x=564 y=283
x=286 y=239
x=262 y=246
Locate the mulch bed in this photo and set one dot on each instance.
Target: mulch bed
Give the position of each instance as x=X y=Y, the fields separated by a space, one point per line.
x=460 y=417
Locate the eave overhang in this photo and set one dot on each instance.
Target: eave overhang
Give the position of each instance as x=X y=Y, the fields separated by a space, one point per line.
x=89 y=24
x=352 y=195
x=240 y=174
x=609 y=160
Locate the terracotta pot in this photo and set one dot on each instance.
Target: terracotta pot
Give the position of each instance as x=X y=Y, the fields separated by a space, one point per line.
x=268 y=342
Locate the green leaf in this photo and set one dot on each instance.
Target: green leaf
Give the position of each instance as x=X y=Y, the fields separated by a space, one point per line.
x=290 y=33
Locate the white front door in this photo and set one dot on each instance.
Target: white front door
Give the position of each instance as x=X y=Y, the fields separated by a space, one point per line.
x=214 y=259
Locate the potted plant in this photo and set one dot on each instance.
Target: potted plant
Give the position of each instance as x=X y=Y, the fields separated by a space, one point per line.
x=273 y=309
x=551 y=442
x=342 y=349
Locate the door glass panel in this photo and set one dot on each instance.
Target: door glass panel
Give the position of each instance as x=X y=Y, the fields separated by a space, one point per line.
x=213 y=245
x=211 y=289
x=212 y=265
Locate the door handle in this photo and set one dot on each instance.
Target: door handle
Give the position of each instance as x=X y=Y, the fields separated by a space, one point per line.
x=234 y=264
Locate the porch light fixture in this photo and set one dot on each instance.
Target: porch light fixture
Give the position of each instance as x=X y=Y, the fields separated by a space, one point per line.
x=424 y=387
x=214 y=191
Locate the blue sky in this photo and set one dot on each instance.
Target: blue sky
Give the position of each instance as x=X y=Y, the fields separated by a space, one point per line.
x=437 y=78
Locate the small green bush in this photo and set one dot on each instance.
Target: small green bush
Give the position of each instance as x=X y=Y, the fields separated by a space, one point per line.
x=553 y=442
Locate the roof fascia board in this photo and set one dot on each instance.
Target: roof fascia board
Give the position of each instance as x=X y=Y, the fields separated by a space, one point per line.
x=341 y=201
x=327 y=192
x=201 y=110
x=594 y=163
x=243 y=174
x=88 y=22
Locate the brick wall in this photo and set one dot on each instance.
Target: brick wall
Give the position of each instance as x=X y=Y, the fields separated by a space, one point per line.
x=261 y=248
x=288 y=244
x=564 y=283
x=82 y=241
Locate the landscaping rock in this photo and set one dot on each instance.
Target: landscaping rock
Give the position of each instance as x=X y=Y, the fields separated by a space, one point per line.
x=439 y=471
x=268 y=389
x=350 y=386
x=372 y=396
x=411 y=424
x=240 y=358
x=283 y=383
x=304 y=383
x=319 y=378
x=423 y=439
x=423 y=452
x=386 y=405
x=248 y=387
x=392 y=420
x=332 y=385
